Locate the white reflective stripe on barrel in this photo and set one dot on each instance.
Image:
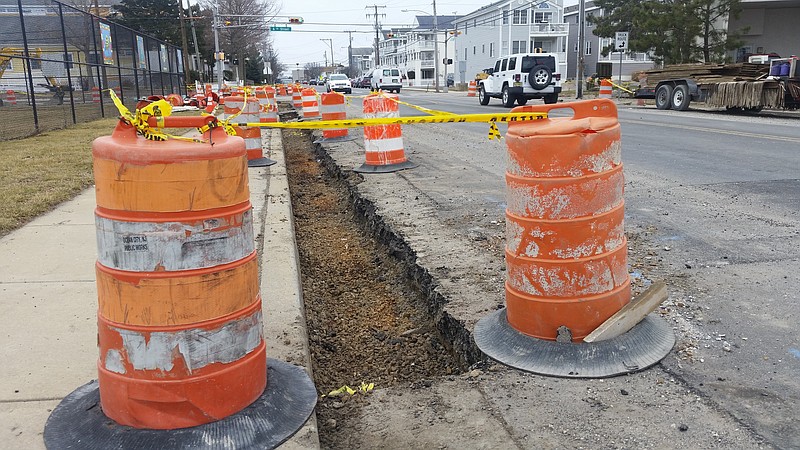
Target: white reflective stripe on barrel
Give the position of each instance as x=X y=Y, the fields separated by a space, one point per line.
x=383 y=145
x=172 y=246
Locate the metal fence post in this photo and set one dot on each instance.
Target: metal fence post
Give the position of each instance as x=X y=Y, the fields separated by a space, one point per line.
x=67 y=63
x=28 y=67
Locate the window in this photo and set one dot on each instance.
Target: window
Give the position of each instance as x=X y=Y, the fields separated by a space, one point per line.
x=503 y=65
x=505 y=17
x=520 y=17
x=497 y=66
x=518 y=46
x=465 y=54
x=543 y=17
x=491 y=49
x=504 y=48
x=483 y=48
x=474 y=50
x=512 y=63
x=588 y=48
x=68 y=61
x=575 y=50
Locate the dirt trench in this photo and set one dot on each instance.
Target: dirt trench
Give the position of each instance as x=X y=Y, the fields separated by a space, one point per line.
x=367 y=322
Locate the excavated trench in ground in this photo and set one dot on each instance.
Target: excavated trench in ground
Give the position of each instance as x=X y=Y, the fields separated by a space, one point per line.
x=368 y=320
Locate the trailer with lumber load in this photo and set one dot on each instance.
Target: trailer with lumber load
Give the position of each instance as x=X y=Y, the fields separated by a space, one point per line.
x=740 y=87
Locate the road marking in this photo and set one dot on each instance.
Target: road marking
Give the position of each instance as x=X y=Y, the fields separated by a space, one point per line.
x=715 y=130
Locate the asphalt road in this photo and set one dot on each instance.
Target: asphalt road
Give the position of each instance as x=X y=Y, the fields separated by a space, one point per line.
x=719 y=197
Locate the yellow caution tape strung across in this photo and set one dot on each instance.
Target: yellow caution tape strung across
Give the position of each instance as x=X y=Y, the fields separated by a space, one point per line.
x=419 y=108
x=158 y=109
x=408 y=120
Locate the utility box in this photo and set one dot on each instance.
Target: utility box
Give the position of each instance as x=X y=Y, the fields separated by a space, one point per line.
x=604 y=69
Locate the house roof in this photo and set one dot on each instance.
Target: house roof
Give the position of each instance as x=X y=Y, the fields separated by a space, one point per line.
x=442 y=22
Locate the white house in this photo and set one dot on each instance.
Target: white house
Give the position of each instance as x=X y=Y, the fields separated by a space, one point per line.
x=506 y=27
x=413 y=49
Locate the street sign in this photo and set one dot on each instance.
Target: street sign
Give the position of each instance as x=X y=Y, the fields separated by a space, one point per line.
x=274 y=28
x=621 y=40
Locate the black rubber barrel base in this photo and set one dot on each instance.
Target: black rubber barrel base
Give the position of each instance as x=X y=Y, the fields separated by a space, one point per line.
x=644 y=345
x=288 y=401
x=261 y=162
x=388 y=168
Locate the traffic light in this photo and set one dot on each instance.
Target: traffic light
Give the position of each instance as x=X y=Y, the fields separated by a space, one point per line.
x=447 y=61
x=296 y=20
x=389 y=35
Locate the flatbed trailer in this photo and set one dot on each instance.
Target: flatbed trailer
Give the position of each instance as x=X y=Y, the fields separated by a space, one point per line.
x=749 y=96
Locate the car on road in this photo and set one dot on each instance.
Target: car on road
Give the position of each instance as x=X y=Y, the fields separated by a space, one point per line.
x=365 y=82
x=521 y=77
x=387 y=79
x=340 y=83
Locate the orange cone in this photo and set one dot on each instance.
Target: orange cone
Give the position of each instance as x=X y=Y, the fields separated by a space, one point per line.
x=383 y=144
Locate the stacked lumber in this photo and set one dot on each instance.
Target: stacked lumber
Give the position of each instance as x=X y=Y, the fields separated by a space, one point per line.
x=708 y=73
x=746 y=94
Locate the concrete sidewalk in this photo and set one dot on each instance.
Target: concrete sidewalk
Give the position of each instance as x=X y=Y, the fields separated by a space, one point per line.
x=49 y=303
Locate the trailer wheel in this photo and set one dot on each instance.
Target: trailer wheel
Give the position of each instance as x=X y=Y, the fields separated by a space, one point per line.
x=680 y=98
x=664 y=97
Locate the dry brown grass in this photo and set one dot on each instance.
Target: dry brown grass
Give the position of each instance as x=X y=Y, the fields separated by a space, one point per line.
x=42 y=171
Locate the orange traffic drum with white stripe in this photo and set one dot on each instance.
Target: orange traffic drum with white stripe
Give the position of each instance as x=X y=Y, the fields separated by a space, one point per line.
x=310 y=104
x=179 y=317
x=248 y=112
x=566 y=250
x=332 y=108
x=383 y=144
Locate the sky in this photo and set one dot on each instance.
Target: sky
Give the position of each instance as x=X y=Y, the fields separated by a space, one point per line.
x=303 y=45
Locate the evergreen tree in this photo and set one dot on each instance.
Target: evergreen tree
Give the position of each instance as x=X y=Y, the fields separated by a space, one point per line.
x=674 y=31
x=158 y=18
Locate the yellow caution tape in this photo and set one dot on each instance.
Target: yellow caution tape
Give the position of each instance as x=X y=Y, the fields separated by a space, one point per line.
x=419 y=108
x=620 y=87
x=408 y=120
x=364 y=388
x=226 y=124
x=158 y=109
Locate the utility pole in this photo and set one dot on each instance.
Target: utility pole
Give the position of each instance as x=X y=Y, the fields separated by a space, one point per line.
x=435 y=49
x=330 y=44
x=377 y=32
x=184 y=43
x=326 y=59
x=194 y=37
x=581 y=47
x=350 y=55
x=217 y=55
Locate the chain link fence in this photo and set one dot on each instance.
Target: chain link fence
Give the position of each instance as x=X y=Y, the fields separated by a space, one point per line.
x=57 y=64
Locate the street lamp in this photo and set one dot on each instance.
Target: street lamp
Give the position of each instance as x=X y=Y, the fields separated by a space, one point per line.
x=435 y=45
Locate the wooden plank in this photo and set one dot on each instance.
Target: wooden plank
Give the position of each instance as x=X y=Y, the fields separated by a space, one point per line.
x=630 y=314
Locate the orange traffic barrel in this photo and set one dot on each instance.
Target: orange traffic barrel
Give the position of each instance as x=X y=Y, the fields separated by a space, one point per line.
x=472 y=88
x=248 y=113
x=95 y=95
x=566 y=251
x=165 y=362
x=11 y=97
x=332 y=108
x=383 y=144
x=180 y=334
x=282 y=90
x=605 y=89
x=297 y=99
x=175 y=99
x=310 y=104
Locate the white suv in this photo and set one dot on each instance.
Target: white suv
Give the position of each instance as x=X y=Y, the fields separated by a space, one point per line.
x=340 y=83
x=521 y=77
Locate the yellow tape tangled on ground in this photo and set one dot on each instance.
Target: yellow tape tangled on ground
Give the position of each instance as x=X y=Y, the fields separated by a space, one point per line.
x=158 y=109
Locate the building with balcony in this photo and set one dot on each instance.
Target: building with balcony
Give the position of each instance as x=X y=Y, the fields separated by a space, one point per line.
x=417 y=52
x=362 y=59
x=506 y=27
